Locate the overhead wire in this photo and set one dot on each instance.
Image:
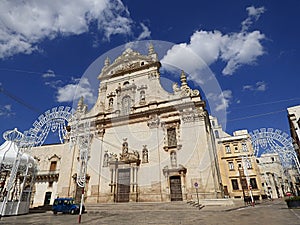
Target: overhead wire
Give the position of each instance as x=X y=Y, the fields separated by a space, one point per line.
x=32 y=72
x=266 y=103
x=19 y=100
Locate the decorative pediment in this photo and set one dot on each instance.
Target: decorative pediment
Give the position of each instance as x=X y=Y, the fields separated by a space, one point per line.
x=129 y=61
x=174 y=171
x=54 y=157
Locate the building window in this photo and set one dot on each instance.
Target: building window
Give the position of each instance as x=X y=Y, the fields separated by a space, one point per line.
x=244 y=147
x=236 y=149
x=248 y=164
x=253 y=183
x=172 y=141
x=213 y=123
x=227 y=149
x=230 y=165
x=217 y=134
x=235 y=184
x=53 y=166
x=50 y=184
x=126 y=105
x=272 y=158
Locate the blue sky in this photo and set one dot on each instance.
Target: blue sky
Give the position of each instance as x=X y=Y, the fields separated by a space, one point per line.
x=250 y=47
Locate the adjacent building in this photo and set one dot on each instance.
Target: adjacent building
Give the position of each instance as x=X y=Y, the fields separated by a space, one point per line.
x=50 y=160
x=239 y=171
x=274 y=181
x=294 y=122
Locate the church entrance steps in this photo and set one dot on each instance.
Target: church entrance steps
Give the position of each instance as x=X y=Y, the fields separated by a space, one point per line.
x=139 y=206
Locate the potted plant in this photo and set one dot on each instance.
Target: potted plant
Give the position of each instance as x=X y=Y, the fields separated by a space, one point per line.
x=293 y=202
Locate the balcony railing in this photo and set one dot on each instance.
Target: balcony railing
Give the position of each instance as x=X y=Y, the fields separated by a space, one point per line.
x=47 y=175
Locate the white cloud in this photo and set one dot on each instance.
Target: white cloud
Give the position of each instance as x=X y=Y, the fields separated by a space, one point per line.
x=241 y=49
x=248 y=87
x=49 y=73
x=54 y=84
x=259 y=86
x=25 y=23
x=235 y=49
x=253 y=14
x=220 y=101
x=80 y=88
x=6 y=110
x=145 y=33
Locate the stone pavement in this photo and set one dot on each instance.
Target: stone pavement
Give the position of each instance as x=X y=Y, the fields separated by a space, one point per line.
x=173 y=213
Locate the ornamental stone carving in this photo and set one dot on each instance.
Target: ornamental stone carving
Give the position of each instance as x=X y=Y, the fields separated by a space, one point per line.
x=192 y=115
x=184 y=90
x=153 y=121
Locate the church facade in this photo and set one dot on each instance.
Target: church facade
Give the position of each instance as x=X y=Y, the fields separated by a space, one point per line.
x=146 y=144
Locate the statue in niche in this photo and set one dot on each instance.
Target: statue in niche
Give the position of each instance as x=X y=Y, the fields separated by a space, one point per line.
x=173 y=158
x=129 y=157
x=105 y=159
x=145 y=154
x=125 y=147
x=142 y=96
x=111 y=103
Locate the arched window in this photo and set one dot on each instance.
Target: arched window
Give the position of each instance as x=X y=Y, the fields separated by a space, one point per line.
x=126 y=105
x=173 y=158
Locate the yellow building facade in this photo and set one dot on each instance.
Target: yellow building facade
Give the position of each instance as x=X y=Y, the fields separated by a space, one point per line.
x=239 y=171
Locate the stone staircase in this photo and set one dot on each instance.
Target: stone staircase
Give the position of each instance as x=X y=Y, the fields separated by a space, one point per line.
x=139 y=206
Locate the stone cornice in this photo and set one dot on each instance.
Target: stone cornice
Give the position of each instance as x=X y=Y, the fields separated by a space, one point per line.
x=104 y=77
x=144 y=115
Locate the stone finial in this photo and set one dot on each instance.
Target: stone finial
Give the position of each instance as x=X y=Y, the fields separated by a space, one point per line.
x=151 y=52
x=183 y=80
x=80 y=104
x=151 y=49
x=107 y=62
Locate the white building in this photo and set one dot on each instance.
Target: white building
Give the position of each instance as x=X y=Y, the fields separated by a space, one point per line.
x=147 y=144
x=274 y=181
x=17 y=173
x=294 y=122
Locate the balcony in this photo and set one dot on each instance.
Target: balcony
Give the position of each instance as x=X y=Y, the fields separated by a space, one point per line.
x=47 y=175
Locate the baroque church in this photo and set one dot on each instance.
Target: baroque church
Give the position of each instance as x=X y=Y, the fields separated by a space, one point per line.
x=146 y=144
